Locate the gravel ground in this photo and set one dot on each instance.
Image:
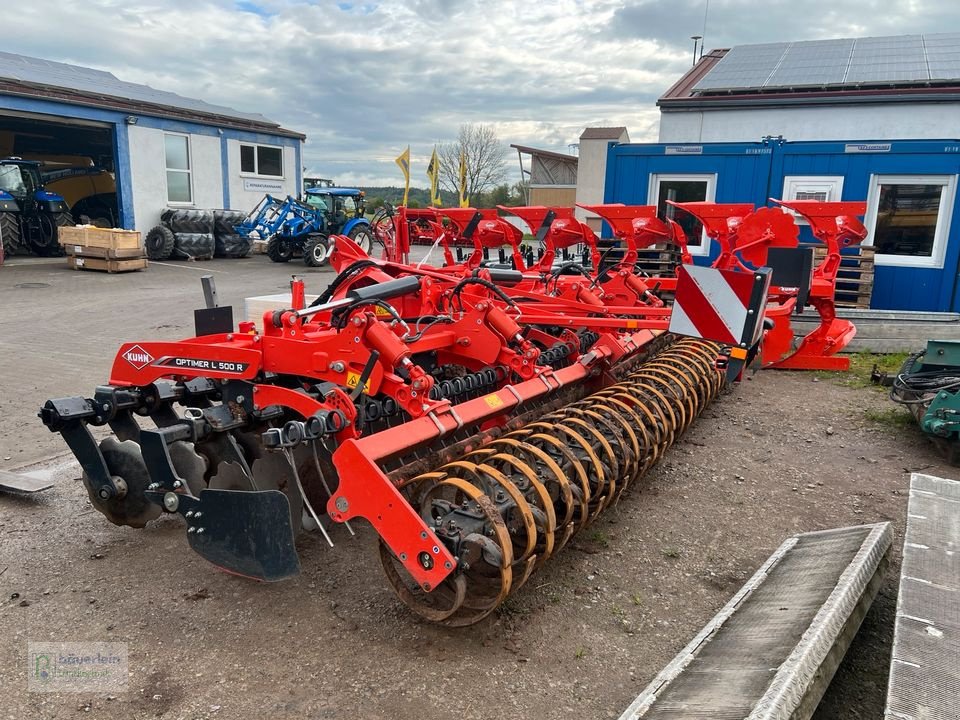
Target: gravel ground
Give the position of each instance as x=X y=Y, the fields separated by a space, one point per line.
x=782 y=453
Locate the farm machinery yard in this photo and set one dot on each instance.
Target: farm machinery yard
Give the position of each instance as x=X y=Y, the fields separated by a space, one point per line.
x=480 y=418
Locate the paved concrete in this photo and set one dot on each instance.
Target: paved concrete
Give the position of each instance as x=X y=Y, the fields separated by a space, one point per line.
x=60 y=328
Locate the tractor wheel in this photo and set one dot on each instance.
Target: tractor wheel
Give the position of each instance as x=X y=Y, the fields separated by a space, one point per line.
x=278 y=250
x=10 y=233
x=316 y=252
x=363 y=237
x=159 y=242
x=47 y=244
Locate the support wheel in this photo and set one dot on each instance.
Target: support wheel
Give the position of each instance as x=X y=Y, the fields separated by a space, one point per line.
x=278 y=250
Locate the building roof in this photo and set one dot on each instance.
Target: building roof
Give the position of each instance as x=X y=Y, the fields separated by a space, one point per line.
x=602 y=133
x=34 y=77
x=855 y=69
x=546 y=153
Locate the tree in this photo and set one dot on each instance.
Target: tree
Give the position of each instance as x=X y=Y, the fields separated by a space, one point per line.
x=486 y=160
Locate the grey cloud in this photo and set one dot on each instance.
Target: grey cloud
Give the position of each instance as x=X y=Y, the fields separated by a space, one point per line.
x=364 y=83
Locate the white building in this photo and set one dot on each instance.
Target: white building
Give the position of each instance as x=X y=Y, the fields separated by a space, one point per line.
x=162 y=150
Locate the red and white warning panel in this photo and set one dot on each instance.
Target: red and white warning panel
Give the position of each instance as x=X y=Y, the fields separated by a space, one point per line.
x=722 y=305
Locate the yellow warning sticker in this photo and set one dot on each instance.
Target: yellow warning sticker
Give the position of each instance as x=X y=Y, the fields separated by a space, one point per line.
x=381 y=311
x=493 y=400
x=353 y=379
x=738 y=353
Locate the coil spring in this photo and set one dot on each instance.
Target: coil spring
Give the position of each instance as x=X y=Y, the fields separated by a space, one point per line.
x=504 y=508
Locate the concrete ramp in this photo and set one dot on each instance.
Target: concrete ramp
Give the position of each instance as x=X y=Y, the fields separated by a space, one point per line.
x=773 y=649
x=925 y=668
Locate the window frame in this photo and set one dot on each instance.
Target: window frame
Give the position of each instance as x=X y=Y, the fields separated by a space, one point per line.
x=653 y=198
x=256 y=161
x=944 y=217
x=189 y=171
x=792 y=184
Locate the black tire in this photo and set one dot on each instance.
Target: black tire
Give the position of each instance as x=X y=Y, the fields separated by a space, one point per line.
x=232 y=246
x=159 y=242
x=316 y=251
x=193 y=222
x=362 y=235
x=199 y=246
x=225 y=222
x=47 y=242
x=279 y=250
x=10 y=233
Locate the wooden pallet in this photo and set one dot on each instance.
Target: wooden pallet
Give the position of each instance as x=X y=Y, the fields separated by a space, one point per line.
x=109 y=265
x=855 y=278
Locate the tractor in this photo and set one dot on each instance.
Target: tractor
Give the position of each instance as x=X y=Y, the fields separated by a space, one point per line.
x=29 y=214
x=305 y=226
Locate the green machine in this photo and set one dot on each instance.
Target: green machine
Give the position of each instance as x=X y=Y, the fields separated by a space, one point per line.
x=928 y=384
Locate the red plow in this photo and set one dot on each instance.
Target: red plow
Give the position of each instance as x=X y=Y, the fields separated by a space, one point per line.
x=477 y=418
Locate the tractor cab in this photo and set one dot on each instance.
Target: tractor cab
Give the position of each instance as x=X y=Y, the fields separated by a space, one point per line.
x=339 y=205
x=29 y=214
x=19 y=178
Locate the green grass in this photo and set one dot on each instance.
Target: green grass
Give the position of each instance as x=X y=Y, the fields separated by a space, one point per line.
x=670 y=551
x=893 y=418
x=861 y=366
x=637 y=599
x=581 y=651
x=600 y=538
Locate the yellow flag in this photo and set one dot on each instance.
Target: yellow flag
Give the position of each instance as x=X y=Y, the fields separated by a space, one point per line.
x=404 y=162
x=433 y=172
x=464 y=201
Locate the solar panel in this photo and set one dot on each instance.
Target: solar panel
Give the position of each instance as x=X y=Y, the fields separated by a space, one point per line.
x=44 y=72
x=842 y=62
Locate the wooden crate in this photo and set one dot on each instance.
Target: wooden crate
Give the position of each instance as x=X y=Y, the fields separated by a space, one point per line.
x=109 y=265
x=92 y=236
x=855 y=277
x=90 y=251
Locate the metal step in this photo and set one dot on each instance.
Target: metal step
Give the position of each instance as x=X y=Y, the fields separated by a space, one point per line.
x=773 y=649
x=925 y=668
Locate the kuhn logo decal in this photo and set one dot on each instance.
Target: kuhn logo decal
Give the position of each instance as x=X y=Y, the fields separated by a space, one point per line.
x=138 y=357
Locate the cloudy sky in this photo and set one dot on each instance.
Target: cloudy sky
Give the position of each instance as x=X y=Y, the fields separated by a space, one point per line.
x=364 y=78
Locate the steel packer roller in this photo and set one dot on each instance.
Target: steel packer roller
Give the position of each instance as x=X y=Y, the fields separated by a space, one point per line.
x=476 y=430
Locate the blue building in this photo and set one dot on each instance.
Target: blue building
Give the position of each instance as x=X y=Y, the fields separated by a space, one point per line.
x=849 y=119
x=159 y=149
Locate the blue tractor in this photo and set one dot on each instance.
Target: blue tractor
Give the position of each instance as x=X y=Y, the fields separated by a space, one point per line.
x=305 y=226
x=29 y=215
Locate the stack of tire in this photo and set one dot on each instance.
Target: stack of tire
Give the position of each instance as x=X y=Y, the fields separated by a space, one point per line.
x=197 y=235
x=228 y=243
x=182 y=234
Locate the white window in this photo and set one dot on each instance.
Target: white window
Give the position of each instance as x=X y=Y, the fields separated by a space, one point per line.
x=822 y=188
x=261 y=160
x=177 y=151
x=684 y=188
x=908 y=218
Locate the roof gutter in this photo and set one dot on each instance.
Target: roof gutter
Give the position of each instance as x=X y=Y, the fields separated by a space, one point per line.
x=108 y=102
x=741 y=101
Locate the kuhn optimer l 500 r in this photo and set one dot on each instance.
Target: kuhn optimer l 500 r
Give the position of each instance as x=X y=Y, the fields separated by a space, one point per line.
x=476 y=430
